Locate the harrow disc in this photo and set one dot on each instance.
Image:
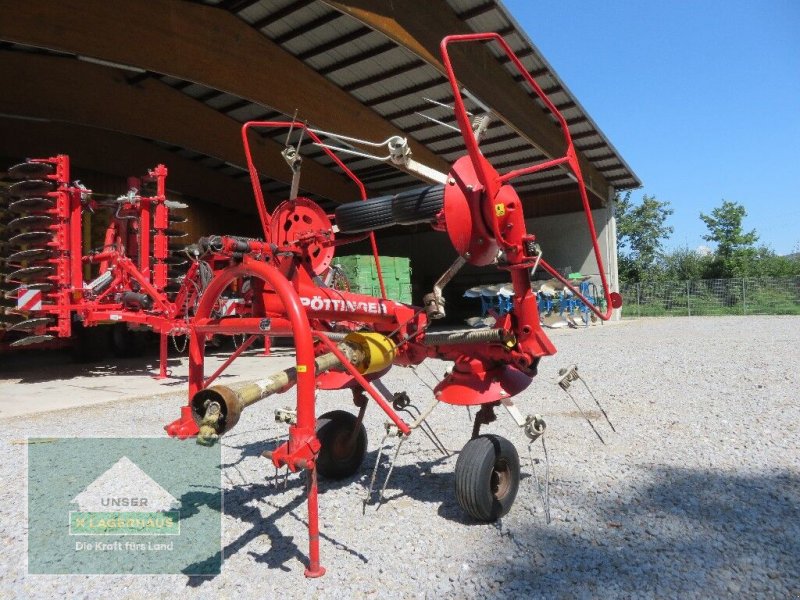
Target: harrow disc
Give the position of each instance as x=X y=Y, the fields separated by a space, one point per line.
x=175 y=205
x=30 y=221
x=31 y=170
x=175 y=272
x=176 y=260
x=31 y=237
x=42 y=287
x=29 y=254
x=174 y=233
x=31 y=324
x=31 y=205
x=13 y=315
x=31 y=188
x=30 y=273
x=31 y=339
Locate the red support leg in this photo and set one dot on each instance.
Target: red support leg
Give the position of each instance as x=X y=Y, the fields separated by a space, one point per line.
x=314 y=568
x=162 y=357
x=267 y=346
x=185 y=426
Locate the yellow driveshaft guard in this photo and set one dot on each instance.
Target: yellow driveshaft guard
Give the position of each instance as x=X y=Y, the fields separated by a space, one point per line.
x=379 y=351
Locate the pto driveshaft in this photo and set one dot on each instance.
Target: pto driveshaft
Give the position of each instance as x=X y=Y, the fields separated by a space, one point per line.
x=217 y=409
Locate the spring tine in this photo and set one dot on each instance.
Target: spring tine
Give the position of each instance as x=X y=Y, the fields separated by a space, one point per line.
x=436 y=440
x=374 y=474
x=596 y=401
x=31 y=170
x=177 y=219
x=585 y=416
x=389 y=474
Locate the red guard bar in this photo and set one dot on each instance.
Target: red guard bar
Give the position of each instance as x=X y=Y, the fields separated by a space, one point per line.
x=570 y=157
x=261 y=205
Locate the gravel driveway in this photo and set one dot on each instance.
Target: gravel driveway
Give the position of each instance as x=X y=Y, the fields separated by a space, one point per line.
x=696 y=495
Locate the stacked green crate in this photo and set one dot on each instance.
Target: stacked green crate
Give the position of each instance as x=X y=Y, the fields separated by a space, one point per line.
x=363 y=276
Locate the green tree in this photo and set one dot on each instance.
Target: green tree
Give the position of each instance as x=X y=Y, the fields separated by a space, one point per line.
x=736 y=253
x=725 y=229
x=685 y=264
x=641 y=231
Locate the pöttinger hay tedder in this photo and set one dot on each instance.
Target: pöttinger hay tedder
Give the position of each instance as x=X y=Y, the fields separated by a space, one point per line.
x=349 y=340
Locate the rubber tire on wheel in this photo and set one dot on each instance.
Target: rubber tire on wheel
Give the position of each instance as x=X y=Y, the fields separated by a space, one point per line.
x=420 y=205
x=367 y=215
x=90 y=344
x=487 y=477
x=335 y=460
x=126 y=343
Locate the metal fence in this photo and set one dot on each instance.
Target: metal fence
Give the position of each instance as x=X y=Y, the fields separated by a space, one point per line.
x=743 y=296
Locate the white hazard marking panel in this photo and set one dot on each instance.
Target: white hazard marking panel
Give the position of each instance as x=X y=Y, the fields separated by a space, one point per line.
x=229 y=307
x=29 y=299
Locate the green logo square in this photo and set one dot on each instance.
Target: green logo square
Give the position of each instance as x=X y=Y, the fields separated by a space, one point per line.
x=124 y=505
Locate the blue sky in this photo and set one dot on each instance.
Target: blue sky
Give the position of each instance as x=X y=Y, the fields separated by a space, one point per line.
x=701 y=98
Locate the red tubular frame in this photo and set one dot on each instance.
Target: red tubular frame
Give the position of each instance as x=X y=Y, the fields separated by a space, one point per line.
x=302 y=447
x=261 y=205
x=492 y=184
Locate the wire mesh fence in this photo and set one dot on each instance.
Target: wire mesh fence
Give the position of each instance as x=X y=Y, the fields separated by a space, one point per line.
x=741 y=296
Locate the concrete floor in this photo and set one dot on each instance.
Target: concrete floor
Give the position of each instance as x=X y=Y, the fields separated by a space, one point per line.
x=41 y=381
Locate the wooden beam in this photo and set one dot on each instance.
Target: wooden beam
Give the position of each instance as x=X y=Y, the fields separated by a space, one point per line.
x=122 y=156
x=420 y=25
x=198 y=43
x=68 y=90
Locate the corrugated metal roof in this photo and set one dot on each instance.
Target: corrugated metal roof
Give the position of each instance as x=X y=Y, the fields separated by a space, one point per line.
x=395 y=83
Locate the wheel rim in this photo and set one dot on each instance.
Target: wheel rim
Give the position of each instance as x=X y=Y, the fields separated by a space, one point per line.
x=500 y=481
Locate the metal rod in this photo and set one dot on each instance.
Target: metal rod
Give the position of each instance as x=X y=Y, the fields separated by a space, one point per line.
x=244 y=346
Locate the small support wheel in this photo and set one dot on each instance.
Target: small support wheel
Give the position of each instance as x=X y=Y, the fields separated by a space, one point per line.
x=487 y=477
x=342 y=452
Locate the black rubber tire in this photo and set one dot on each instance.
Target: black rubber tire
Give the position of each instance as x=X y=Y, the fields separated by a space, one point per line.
x=335 y=459
x=420 y=205
x=90 y=344
x=366 y=215
x=126 y=343
x=487 y=477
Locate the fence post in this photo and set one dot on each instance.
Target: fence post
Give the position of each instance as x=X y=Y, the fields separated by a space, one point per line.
x=688 y=307
x=744 y=299
x=639 y=299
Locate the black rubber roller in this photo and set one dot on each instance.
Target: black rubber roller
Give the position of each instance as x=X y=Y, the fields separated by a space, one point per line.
x=420 y=205
x=365 y=215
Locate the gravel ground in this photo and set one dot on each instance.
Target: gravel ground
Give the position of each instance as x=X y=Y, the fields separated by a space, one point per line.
x=696 y=495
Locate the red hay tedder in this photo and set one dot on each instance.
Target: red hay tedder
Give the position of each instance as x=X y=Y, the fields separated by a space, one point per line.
x=342 y=339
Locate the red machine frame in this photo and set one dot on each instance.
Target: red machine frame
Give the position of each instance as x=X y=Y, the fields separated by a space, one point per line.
x=482 y=216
